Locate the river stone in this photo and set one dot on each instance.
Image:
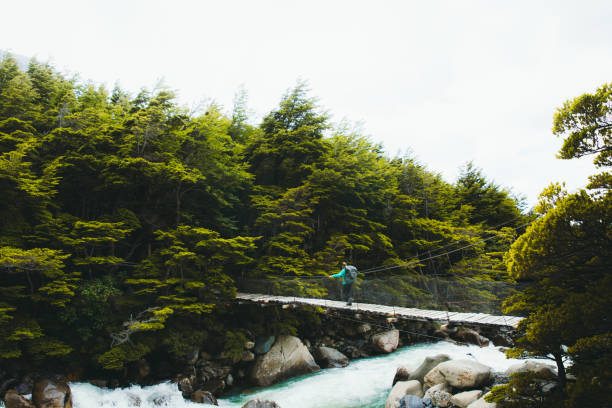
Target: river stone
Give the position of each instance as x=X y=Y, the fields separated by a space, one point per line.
x=440 y=395
x=463 y=399
x=204 y=397
x=402 y=388
x=328 y=357
x=364 y=328
x=427 y=365
x=259 y=403
x=470 y=336
x=12 y=399
x=481 y=403
x=247 y=356
x=386 y=342
x=438 y=387
x=51 y=394
x=541 y=370
x=287 y=358
x=412 y=401
x=263 y=344
x=460 y=374
x=401 y=374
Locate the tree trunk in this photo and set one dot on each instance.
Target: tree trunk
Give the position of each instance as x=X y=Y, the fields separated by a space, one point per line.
x=560 y=369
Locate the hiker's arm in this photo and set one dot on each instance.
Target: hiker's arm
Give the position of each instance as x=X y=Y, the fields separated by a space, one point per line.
x=338 y=275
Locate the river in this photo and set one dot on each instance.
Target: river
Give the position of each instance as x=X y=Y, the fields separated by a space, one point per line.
x=365 y=383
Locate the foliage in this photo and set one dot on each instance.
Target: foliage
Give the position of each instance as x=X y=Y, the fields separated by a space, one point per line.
x=565 y=258
x=128 y=223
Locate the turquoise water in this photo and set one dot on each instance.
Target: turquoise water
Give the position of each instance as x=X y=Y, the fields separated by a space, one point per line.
x=364 y=383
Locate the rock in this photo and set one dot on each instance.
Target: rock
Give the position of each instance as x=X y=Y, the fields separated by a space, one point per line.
x=401 y=389
x=438 y=387
x=411 y=401
x=287 y=358
x=541 y=370
x=247 y=356
x=99 y=383
x=481 y=403
x=133 y=400
x=259 y=403
x=502 y=339
x=144 y=369
x=386 y=342
x=466 y=335
x=51 y=394
x=215 y=385
x=401 y=374
x=185 y=386
x=440 y=395
x=249 y=345
x=204 y=397
x=462 y=374
x=364 y=328
x=427 y=365
x=12 y=399
x=327 y=357
x=263 y=344
x=463 y=399
x=441 y=399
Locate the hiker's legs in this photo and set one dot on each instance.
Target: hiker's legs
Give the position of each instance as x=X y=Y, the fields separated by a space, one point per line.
x=348 y=289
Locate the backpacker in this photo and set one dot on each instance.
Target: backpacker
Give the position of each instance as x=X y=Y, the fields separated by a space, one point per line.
x=350 y=274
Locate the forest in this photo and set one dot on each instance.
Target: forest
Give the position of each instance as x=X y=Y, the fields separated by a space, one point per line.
x=129 y=222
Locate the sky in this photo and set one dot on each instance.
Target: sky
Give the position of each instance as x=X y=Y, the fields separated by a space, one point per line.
x=445 y=82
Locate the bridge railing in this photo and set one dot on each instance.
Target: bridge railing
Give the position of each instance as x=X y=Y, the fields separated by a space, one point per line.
x=457 y=294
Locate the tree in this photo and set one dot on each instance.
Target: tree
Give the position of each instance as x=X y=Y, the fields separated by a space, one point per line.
x=585 y=122
x=565 y=256
x=291 y=142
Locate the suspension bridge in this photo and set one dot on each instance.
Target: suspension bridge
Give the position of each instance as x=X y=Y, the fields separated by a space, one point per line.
x=478 y=319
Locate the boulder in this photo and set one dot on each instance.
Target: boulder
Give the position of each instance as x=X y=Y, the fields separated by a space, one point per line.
x=481 y=403
x=263 y=344
x=401 y=374
x=51 y=394
x=440 y=395
x=247 y=356
x=427 y=365
x=204 y=397
x=400 y=389
x=287 y=358
x=386 y=342
x=363 y=328
x=259 y=403
x=541 y=370
x=249 y=345
x=328 y=357
x=412 y=401
x=12 y=399
x=463 y=399
x=98 y=383
x=466 y=335
x=462 y=374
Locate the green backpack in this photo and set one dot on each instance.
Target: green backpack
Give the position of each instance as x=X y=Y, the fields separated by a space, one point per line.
x=350 y=274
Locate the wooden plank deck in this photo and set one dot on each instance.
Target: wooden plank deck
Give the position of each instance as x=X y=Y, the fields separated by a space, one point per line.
x=400 y=312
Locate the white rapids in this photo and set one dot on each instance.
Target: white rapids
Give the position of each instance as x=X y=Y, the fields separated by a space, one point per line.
x=364 y=383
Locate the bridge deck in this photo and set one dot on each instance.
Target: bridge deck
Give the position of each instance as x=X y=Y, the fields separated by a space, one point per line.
x=483 y=319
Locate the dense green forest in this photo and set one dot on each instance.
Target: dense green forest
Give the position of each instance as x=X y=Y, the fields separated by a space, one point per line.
x=128 y=222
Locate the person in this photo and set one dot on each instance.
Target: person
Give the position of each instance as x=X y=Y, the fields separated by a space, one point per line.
x=347 y=287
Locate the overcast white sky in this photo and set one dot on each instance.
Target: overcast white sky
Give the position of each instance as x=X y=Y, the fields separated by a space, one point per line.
x=452 y=81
